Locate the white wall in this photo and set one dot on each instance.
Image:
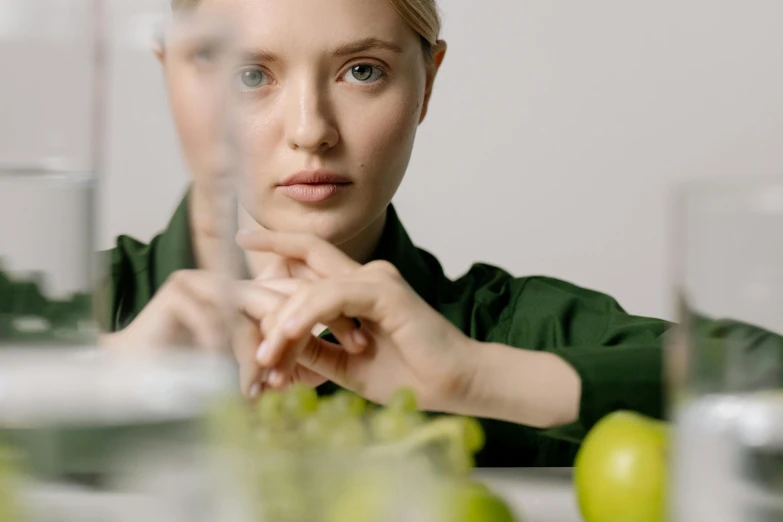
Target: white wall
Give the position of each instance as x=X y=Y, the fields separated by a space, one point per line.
x=557 y=130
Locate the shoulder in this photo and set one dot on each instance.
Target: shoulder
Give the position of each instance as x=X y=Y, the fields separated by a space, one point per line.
x=488 y=283
x=134 y=270
x=538 y=311
x=126 y=281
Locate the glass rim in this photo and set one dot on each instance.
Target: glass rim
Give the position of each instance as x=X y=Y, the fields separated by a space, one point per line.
x=43 y=170
x=728 y=183
x=98 y=386
x=761 y=195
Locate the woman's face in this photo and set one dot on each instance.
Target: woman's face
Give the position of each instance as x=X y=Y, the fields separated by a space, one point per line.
x=330 y=94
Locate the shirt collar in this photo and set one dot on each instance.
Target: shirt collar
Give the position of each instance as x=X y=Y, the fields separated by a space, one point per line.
x=397 y=248
x=174 y=250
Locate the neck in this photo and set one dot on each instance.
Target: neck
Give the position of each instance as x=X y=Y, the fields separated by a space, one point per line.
x=207 y=248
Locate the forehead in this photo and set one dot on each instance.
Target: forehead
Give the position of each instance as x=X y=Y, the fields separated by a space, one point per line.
x=289 y=25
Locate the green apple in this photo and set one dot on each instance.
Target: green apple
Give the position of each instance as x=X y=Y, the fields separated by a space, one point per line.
x=620 y=470
x=469 y=502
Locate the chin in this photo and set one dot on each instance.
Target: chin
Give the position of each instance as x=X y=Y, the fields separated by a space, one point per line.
x=335 y=225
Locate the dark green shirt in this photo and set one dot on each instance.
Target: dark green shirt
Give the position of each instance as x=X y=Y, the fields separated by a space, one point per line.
x=617 y=355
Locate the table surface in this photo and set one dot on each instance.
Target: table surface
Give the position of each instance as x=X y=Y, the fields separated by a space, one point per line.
x=535 y=494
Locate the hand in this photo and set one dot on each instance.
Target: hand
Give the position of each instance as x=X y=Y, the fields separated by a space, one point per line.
x=277 y=269
x=408 y=344
x=210 y=312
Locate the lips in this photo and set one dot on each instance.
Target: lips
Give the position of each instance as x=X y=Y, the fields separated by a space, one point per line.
x=314 y=186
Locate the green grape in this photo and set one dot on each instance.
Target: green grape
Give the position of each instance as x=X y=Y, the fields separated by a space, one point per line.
x=390 y=425
x=270 y=407
x=10 y=487
x=299 y=401
x=403 y=399
x=473 y=435
x=227 y=422
x=313 y=431
x=345 y=403
x=363 y=497
x=264 y=438
x=349 y=433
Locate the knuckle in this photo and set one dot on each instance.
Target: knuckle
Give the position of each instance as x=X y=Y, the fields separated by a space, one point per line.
x=180 y=277
x=313 y=352
x=384 y=268
x=304 y=296
x=268 y=322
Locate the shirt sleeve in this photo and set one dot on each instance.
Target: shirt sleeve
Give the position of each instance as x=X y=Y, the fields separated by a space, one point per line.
x=618 y=356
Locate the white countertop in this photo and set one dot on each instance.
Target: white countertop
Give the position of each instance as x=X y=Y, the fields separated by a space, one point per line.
x=535 y=494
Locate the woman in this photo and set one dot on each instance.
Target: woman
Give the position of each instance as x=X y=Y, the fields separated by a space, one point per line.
x=333 y=92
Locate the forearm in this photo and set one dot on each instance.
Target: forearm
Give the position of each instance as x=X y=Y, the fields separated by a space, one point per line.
x=532 y=388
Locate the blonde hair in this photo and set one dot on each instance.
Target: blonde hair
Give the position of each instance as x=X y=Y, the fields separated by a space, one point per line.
x=421 y=15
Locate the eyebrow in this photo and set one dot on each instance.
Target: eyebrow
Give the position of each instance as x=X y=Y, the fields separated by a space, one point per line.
x=359 y=46
x=258 y=55
x=367 y=44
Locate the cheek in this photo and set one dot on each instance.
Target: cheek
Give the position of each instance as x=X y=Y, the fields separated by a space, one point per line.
x=195 y=116
x=380 y=136
x=256 y=130
x=258 y=140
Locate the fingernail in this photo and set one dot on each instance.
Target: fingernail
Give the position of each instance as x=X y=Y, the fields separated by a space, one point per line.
x=254 y=390
x=263 y=352
x=275 y=378
x=359 y=338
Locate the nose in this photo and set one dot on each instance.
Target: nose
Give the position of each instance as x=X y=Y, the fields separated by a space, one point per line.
x=311 y=125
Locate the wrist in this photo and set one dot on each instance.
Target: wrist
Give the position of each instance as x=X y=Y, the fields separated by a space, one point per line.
x=532 y=388
x=112 y=341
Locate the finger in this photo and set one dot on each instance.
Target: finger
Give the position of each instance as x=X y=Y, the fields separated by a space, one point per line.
x=300 y=270
x=257 y=300
x=330 y=362
x=276 y=268
x=198 y=318
x=284 y=369
x=322 y=257
x=327 y=302
x=345 y=330
x=206 y=286
x=286 y=286
x=308 y=376
x=281 y=352
x=282 y=268
x=245 y=342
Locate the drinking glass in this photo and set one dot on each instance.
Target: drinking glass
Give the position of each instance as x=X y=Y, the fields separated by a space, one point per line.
x=90 y=433
x=725 y=360
x=51 y=102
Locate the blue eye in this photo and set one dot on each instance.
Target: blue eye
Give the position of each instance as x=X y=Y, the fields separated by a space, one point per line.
x=364 y=73
x=251 y=78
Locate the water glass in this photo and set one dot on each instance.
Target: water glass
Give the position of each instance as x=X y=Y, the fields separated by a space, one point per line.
x=725 y=361
x=49 y=155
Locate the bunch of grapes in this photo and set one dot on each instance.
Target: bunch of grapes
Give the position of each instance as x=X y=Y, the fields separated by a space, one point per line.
x=309 y=458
